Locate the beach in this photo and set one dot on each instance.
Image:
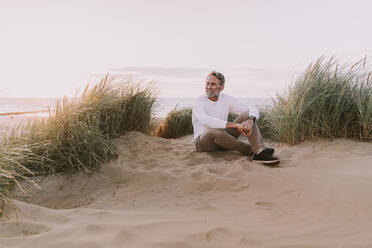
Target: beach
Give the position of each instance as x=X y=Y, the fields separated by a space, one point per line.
x=162 y=193
x=99 y=102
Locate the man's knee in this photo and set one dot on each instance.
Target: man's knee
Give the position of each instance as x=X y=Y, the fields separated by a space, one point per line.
x=206 y=142
x=242 y=117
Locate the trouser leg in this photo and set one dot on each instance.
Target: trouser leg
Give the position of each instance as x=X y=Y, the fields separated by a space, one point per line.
x=214 y=138
x=255 y=139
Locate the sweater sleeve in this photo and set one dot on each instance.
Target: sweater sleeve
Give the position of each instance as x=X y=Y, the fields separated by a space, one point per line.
x=238 y=107
x=199 y=113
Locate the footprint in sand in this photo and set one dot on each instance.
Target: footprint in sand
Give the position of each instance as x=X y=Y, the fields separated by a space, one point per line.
x=197 y=175
x=196 y=161
x=219 y=234
x=220 y=171
x=149 y=164
x=12 y=229
x=177 y=153
x=177 y=172
x=266 y=205
x=165 y=149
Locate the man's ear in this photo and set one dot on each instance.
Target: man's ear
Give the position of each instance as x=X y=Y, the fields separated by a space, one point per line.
x=222 y=87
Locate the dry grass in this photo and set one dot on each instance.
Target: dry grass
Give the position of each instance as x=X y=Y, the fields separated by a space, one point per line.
x=78 y=135
x=176 y=124
x=328 y=100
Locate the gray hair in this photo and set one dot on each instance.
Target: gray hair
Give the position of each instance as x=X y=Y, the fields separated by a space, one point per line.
x=218 y=75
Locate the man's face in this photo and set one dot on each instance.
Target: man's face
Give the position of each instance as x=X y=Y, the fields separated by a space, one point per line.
x=213 y=87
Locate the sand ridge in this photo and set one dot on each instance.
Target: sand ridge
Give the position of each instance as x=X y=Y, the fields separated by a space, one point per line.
x=162 y=193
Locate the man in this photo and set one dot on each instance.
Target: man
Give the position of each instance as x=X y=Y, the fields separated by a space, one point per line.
x=213 y=132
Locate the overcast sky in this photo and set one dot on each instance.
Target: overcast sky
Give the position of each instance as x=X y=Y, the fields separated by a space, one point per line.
x=51 y=48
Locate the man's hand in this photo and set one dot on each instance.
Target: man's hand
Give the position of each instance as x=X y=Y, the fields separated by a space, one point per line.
x=244 y=128
x=247 y=127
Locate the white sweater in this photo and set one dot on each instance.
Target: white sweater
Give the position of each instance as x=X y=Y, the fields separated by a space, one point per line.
x=209 y=114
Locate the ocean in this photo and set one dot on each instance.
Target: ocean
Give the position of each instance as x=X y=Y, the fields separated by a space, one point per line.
x=162 y=106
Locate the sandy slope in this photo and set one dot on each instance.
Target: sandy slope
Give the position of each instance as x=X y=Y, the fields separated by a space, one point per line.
x=161 y=193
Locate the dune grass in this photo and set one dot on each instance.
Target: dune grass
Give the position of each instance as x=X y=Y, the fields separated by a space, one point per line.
x=176 y=124
x=78 y=135
x=328 y=100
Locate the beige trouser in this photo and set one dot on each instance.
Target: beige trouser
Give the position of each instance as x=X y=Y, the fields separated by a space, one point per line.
x=227 y=139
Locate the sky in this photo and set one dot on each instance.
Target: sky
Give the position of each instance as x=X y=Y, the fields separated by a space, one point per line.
x=53 y=48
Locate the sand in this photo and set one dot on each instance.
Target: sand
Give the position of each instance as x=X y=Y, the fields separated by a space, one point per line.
x=161 y=193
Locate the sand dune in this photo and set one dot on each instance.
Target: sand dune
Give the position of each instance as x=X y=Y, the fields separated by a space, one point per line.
x=161 y=193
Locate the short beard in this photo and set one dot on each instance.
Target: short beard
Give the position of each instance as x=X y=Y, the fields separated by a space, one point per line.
x=213 y=95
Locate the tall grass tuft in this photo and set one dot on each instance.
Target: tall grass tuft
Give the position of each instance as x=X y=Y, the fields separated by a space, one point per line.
x=78 y=134
x=121 y=108
x=176 y=124
x=328 y=100
x=12 y=171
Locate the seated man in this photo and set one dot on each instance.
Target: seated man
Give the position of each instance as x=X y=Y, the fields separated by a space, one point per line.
x=213 y=132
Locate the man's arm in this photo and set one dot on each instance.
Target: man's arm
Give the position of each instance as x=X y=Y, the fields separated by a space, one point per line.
x=234 y=125
x=199 y=113
x=244 y=128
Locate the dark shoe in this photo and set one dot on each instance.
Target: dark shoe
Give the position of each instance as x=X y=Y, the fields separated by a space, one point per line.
x=266 y=157
x=269 y=151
